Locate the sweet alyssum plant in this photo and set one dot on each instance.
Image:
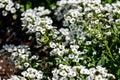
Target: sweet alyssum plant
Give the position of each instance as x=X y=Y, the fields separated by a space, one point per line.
x=80 y=42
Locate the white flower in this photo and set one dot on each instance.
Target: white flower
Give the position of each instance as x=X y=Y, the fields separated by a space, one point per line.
x=110 y=75
x=72 y=74
x=52 y=44
x=55 y=71
x=32 y=73
x=74 y=46
x=9 y=6
x=39 y=74
x=67 y=38
x=61 y=47
x=65 y=23
x=63 y=73
x=117 y=20
x=72 y=20
x=108 y=33
x=34 y=57
x=26 y=64
x=21 y=50
x=92 y=70
x=74 y=50
x=94 y=53
x=119 y=50
x=55 y=78
x=76 y=59
x=33 y=20
x=14 y=54
x=2 y=5
x=90 y=78
x=32 y=76
x=25 y=74
x=61 y=53
x=71 y=56
x=84 y=71
x=12 y=10
x=61 y=65
x=31 y=70
x=98 y=77
x=88 y=42
x=101 y=69
x=64 y=31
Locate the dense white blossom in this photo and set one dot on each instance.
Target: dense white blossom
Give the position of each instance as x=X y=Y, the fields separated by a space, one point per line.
x=9 y=6
x=69 y=54
x=97 y=73
x=76 y=49
x=35 y=20
x=20 y=55
x=32 y=73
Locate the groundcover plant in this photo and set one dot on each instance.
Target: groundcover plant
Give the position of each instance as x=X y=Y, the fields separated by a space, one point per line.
x=59 y=40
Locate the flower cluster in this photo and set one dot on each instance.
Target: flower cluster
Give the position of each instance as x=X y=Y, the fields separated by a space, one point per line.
x=65 y=5
x=70 y=55
x=9 y=6
x=81 y=72
x=83 y=44
x=20 y=55
x=92 y=26
x=88 y=18
x=90 y=23
x=36 y=21
x=23 y=59
x=32 y=73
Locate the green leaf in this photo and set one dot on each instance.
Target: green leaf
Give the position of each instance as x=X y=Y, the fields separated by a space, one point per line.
x=77 y=64
x=118 y=73
x=106 y=59
x=28 y=5
x=110 y=1
x=101 y=61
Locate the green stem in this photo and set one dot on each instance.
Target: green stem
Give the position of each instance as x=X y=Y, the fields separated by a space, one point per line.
x=108 y=49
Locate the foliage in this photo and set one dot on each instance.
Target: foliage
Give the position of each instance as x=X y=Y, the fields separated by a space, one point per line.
x=60 y=40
